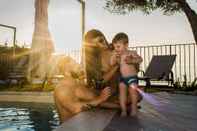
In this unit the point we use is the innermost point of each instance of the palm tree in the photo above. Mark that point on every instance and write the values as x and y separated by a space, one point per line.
42 44
168 7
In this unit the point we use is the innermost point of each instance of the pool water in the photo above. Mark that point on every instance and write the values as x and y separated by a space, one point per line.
28 117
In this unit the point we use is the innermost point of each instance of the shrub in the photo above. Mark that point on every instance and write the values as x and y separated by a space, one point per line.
185 85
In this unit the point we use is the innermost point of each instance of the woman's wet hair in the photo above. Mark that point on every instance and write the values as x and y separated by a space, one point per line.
92 56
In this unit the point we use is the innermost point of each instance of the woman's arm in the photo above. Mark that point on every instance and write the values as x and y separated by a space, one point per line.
108 75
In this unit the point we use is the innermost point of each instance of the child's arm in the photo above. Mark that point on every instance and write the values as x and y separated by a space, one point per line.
134 58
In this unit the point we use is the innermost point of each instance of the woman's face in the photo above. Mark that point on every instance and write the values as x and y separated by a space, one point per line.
95 38
99 42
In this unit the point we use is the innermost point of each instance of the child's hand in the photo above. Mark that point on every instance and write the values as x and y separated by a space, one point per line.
133 58
115 59
129 59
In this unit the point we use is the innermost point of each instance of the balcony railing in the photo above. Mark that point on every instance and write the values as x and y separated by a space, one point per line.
185 64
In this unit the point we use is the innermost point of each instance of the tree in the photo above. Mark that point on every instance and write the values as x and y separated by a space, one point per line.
169 7
42 44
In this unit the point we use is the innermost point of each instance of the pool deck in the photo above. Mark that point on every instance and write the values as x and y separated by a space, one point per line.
160 112
38 97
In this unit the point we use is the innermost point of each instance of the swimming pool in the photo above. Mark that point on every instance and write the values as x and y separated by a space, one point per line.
27 117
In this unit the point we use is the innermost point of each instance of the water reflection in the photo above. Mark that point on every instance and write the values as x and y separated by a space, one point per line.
28 117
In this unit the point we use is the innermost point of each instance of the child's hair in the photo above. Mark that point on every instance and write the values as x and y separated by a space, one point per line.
121 37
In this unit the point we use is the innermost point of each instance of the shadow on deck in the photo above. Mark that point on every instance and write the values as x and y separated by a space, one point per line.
160 112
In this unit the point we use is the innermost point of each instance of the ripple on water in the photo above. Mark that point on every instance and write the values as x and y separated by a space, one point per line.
28 117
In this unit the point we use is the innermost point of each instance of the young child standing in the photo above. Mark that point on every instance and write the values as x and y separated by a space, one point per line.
129 63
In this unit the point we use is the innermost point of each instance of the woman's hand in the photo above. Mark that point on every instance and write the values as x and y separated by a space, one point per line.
105 93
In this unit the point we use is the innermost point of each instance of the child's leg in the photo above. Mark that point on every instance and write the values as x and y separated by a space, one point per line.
133 93
123 98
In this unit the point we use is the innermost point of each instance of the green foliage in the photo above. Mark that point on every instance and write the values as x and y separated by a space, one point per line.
9 50
168 7
7 60
185 85
125 6
48 87
27 87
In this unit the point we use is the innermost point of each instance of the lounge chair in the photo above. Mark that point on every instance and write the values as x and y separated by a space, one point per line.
159 69
18 71
17 75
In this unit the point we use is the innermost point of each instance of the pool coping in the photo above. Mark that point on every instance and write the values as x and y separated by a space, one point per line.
93 120
38 97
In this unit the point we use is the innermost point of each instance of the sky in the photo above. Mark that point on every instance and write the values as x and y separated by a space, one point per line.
64 23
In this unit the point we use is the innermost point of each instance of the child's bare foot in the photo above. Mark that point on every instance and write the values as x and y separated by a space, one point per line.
133 113
123 113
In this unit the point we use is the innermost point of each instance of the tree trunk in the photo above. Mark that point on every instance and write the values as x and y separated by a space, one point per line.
42 44
191 16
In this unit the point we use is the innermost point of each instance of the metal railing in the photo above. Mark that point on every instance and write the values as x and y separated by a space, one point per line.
185 64
75 54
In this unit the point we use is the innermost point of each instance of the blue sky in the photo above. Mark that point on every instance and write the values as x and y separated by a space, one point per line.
64 23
